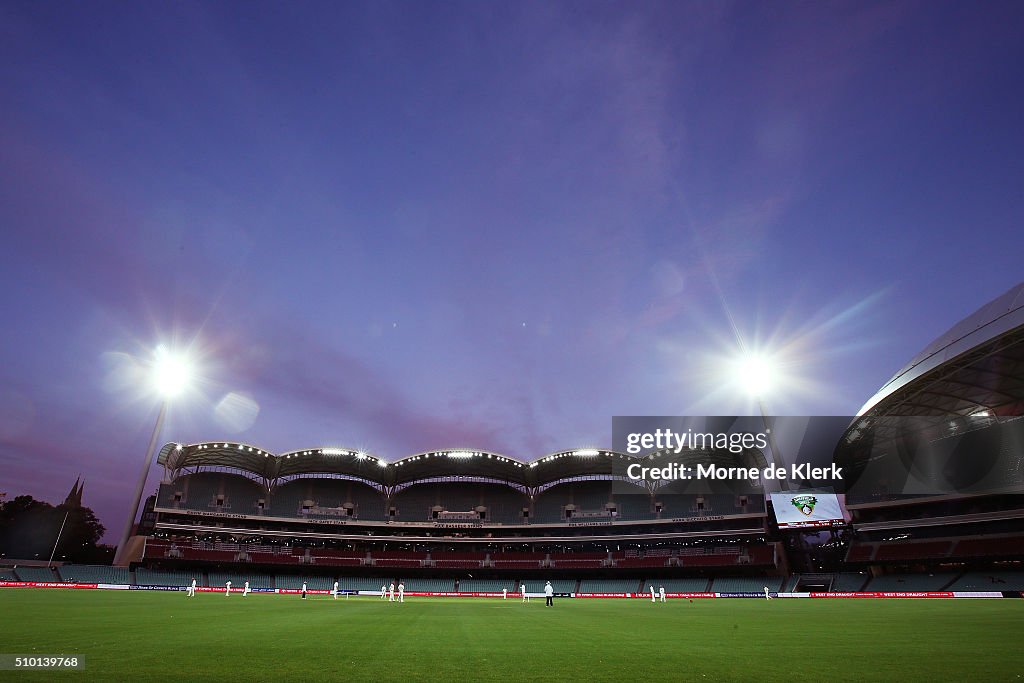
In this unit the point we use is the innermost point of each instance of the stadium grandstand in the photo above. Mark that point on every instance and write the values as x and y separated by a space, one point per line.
935 461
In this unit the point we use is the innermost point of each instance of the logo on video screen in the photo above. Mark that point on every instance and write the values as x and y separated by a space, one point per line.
804 504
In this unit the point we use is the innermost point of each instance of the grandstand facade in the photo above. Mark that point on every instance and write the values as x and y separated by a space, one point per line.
936 457
451 513
936 460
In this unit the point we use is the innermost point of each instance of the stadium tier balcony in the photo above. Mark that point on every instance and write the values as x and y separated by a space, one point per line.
989 547
457 560
273 558
578 560
888 552
398 559
517 560
337 558
860 552
634 562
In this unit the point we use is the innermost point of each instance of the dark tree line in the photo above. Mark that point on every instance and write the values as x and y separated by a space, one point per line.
29 528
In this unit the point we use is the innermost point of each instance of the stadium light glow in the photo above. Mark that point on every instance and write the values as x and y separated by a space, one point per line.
461 454
172 372
587 452
757 373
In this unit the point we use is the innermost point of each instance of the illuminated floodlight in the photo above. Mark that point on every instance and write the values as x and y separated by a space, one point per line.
587 452
757 373
460 454
172 372
382 463
333 451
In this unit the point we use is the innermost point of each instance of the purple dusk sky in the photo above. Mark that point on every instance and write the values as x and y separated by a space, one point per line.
414 225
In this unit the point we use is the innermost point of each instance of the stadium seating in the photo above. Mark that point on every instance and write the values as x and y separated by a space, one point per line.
587 496
239 578
369 502
989 580
753 584
8 575
486 585
910 582
429 585
694 585
634 506
84 573
559 585
359 583
849 582
609 585
36 574
326 495
314 583
415 503
152 577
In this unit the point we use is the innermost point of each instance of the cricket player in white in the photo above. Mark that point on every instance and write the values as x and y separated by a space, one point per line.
522 588
504 594
335 591
303 590
391 593
767 595
245 591
228 591
549 593
661 593
192 589
401 592
652 593
383 592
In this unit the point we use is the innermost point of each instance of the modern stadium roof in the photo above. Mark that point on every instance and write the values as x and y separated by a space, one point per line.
969 378
446 463
976 367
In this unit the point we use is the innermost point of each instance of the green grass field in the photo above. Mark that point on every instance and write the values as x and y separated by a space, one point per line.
136 635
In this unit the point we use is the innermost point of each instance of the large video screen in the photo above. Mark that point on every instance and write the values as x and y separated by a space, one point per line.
802 509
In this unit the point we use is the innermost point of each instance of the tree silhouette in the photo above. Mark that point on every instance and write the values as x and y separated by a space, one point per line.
29 528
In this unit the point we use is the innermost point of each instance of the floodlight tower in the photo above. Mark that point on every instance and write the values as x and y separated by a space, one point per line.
171 374
758 374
